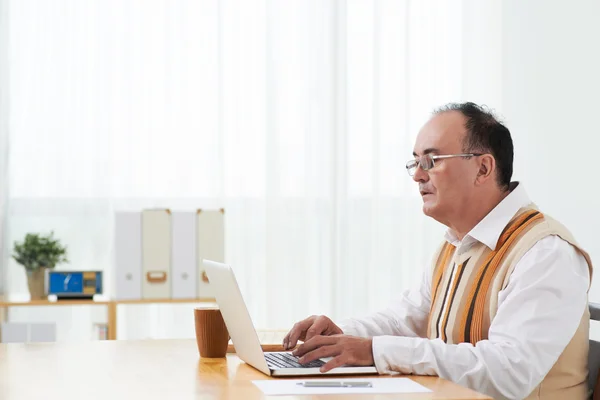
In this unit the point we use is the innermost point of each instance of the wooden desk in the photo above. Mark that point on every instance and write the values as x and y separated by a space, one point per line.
148 370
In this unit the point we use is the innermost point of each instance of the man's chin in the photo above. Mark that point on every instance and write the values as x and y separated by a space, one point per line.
428 209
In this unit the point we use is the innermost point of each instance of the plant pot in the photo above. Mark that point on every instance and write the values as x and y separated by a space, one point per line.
36 283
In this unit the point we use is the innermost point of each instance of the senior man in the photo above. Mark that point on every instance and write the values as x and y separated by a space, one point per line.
503 309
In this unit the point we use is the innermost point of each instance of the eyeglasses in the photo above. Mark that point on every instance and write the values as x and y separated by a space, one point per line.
427 161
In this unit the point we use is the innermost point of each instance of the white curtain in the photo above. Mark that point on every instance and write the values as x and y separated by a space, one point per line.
296 116
4 115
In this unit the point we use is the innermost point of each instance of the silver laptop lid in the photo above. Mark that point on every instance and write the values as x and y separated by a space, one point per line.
236 315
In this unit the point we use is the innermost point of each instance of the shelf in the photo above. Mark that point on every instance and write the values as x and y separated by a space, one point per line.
35 303
166 301
111 306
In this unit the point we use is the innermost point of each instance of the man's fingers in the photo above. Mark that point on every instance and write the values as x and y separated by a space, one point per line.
324 351
314 343
285 341
334 363
297 331
317 328
309 328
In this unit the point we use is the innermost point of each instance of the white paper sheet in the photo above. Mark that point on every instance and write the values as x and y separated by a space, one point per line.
278 387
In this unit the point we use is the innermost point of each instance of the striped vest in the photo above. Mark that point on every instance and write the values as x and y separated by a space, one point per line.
465 291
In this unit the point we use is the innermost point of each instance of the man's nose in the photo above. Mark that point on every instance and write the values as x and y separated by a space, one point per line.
420 175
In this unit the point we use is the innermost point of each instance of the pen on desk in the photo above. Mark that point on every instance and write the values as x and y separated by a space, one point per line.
335 384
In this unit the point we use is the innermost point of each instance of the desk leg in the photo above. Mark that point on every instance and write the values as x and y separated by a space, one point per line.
112 320
3 318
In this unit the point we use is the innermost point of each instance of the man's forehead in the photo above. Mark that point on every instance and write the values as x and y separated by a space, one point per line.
443 132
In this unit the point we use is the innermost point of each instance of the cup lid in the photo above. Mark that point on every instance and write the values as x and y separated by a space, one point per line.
207 307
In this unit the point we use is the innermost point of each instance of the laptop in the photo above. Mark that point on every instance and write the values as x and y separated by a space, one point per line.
244 336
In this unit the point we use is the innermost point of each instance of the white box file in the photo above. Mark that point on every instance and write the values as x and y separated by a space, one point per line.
128 255
184 265
14 332
42 332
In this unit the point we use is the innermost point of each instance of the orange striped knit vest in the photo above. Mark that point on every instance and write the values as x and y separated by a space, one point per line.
465 291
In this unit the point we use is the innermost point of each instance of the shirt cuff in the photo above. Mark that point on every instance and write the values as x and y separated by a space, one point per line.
348 327
394 354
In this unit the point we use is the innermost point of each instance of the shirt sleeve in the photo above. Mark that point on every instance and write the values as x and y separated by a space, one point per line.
538 314
407 316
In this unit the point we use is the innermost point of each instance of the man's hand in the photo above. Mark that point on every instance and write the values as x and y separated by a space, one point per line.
309 328
345 350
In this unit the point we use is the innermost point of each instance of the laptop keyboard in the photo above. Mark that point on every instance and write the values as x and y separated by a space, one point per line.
287 360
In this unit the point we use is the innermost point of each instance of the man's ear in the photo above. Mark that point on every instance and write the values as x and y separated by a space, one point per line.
487 168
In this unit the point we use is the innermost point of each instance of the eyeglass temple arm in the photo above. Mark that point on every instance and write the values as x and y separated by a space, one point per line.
456 155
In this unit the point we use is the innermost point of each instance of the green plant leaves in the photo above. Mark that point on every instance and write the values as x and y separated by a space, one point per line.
39 250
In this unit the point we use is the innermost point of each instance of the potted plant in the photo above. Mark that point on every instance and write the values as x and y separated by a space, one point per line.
37 253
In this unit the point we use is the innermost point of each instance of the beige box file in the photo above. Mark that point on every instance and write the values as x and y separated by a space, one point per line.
156 254
210 225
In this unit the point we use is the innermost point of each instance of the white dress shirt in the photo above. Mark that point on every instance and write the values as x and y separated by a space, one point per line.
538 314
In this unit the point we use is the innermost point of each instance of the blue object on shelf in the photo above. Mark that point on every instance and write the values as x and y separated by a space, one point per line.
75 284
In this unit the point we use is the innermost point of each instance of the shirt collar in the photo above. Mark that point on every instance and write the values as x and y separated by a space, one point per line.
488 230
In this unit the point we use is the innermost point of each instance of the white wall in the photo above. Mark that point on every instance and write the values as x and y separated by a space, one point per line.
551 84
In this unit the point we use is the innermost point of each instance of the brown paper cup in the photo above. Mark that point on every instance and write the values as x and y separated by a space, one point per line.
211 333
